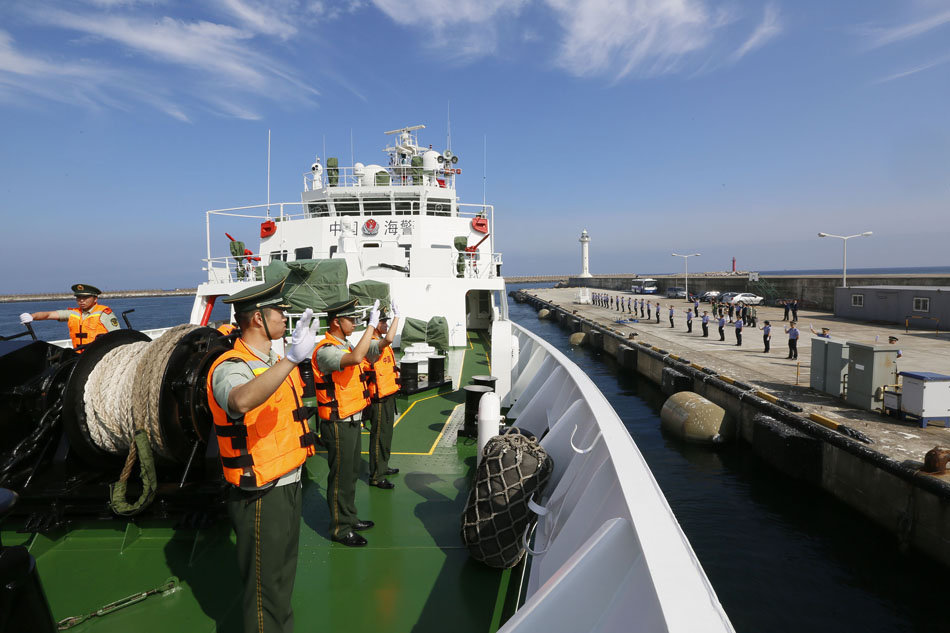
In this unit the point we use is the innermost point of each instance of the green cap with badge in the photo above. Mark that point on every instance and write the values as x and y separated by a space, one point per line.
85 290
345 308
383 315
265 295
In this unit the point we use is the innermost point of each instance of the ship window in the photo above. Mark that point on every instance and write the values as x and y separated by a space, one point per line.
371 245
857 301
438 206
319 209
921 304
403 207
347 206
303 253
278 255
377 206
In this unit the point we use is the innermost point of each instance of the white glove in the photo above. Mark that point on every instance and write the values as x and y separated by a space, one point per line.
393 309
304 338
374 315
25 318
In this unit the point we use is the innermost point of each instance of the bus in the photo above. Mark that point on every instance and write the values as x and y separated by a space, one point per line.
644 287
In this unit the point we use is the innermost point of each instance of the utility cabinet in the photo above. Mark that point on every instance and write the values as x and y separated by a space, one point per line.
926 396
870 368
829 366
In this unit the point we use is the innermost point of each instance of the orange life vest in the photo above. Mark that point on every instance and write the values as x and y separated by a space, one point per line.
84 328
270 440
345 392
383 374
226 328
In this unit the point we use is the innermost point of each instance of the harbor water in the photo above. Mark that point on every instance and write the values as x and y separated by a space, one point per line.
782 556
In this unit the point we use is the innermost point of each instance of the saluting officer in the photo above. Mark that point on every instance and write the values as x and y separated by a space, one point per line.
85 322
342 395
381 414
255 399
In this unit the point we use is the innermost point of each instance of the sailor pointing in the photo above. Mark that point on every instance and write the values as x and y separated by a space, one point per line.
86 321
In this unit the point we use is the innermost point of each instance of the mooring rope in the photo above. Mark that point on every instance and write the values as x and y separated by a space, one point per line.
122 410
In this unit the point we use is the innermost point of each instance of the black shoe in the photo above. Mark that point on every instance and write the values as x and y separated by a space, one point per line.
385 484
363 525
392 471
351 539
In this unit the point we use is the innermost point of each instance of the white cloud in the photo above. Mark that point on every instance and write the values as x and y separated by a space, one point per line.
439 13
878 37
263 17
769 28
912 71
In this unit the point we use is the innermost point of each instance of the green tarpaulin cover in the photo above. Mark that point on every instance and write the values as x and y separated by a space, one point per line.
435 332
367 291
311 283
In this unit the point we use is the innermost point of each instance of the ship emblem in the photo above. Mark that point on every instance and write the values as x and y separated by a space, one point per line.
370 227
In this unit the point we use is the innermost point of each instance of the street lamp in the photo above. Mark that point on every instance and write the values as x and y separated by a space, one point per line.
844 241
686 268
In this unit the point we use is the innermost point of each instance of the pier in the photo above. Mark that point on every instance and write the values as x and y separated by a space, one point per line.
807 435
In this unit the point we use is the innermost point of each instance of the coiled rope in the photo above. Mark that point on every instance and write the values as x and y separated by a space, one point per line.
121 404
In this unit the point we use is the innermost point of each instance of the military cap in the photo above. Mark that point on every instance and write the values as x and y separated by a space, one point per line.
346 308
892 338
266 295
383 315
84 290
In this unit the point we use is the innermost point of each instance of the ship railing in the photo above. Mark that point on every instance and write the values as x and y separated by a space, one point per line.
234 268
607 548
479 265
391 176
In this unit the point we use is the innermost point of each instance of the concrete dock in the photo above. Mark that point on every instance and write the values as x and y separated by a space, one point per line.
787 379
772 408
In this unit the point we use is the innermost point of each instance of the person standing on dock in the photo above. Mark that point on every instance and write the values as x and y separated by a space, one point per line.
794 309
689 321
787 307
825 332
264 439
766 335
892 340
341 398
649 309
705 324
722 327
671 315
793 335
87 321
641 307
739 325
696 306
383 385
732 310
657 311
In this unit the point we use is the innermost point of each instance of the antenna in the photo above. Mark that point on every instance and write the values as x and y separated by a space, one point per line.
484 171
352 160
448 125
268 173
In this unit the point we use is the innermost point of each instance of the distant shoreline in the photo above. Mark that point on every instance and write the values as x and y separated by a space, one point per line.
119 294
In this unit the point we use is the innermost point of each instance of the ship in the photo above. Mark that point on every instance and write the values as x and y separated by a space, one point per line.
99 537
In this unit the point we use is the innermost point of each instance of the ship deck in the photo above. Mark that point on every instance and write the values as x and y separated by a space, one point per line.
415 574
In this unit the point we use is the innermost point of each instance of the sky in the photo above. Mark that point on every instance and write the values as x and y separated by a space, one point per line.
727 128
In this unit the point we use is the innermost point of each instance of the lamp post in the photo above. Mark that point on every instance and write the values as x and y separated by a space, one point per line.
686 270
844 241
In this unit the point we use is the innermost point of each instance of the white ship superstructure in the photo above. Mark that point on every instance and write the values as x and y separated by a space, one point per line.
399 223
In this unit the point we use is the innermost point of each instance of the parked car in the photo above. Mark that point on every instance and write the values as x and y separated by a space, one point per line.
746 298
726 296
675 292
709 295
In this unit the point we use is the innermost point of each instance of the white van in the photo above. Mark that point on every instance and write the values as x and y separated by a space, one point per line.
644 287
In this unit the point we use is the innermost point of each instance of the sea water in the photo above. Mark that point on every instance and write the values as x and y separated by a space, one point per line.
782 556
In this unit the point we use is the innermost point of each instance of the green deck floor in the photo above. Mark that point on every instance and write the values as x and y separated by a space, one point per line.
414 575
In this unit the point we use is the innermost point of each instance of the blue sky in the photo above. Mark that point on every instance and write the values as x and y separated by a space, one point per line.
727 128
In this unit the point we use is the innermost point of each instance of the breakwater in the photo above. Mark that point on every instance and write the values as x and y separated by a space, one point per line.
813 291
105 296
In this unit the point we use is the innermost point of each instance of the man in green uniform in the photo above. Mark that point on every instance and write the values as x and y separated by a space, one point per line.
381 413
336 363
264 509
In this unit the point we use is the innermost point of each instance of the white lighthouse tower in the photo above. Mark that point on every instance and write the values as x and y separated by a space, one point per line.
585 257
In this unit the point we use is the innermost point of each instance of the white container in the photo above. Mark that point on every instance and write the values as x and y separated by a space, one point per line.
926 395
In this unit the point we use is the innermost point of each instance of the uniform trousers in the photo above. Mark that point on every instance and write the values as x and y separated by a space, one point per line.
381 416
342 440
767 340
705 329
689 325
268 533
738 337
793 348
722 333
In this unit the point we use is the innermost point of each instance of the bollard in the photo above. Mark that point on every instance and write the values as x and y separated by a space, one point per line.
473 395
489 420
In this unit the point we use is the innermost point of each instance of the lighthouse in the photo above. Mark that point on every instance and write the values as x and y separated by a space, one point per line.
585 259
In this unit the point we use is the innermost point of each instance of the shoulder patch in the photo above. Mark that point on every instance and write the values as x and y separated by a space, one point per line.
108 310
115 322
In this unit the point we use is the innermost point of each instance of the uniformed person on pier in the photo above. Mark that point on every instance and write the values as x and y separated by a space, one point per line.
256 401
381 414
342 396
86 321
